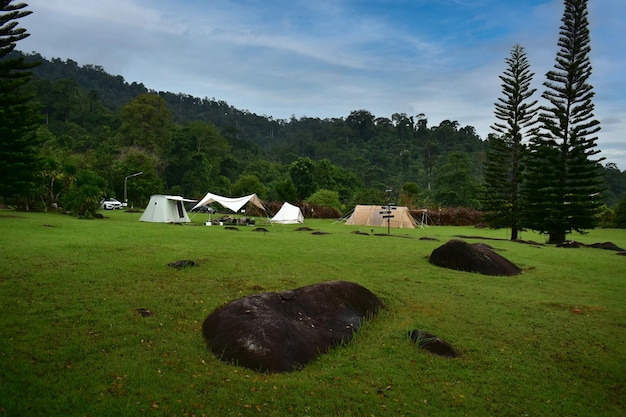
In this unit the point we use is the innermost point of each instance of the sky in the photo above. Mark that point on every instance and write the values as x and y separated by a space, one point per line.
327 58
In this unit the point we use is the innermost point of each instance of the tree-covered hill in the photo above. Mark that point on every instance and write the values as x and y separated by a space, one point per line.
98 127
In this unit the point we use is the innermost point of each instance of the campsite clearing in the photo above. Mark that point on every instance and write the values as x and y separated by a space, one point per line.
74 341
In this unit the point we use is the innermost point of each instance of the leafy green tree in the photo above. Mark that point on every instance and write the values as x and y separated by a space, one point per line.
620 214
503 167
207 139
83 197
302 173
325 198
19 157
615 184
455 185
368 196
140 188
282 190
146 124
563 183
248 184
198 178
362 124
408 194
195 161
267 171
325 174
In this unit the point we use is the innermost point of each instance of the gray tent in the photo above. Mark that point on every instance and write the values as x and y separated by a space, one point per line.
166 209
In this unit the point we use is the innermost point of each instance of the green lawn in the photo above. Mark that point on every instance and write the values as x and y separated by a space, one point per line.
550 342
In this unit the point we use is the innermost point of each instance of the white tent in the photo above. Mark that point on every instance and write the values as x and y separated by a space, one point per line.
288 214
373 216
166 209
233 204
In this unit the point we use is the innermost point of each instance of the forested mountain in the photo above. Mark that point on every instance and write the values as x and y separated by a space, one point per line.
98 129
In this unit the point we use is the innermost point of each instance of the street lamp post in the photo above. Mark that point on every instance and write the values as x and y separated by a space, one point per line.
125 185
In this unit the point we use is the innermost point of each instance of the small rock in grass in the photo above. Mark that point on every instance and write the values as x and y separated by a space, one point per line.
432 343
182 264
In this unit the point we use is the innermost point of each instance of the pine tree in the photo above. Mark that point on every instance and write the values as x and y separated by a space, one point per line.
19 159
563 183
503 167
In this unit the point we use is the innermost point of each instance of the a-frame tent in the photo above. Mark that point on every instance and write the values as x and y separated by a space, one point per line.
166 209
373 216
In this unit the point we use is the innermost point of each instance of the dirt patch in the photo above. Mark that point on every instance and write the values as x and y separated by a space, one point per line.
386 234
358 232
144 312
607 246
185 263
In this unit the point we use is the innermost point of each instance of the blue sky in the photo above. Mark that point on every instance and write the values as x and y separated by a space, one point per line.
326 58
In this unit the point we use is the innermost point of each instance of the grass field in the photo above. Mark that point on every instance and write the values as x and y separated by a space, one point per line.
549 342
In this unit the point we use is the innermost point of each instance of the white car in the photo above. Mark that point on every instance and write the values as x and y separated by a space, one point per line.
111 204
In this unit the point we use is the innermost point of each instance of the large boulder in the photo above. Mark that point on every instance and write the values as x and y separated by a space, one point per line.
281 332
478 257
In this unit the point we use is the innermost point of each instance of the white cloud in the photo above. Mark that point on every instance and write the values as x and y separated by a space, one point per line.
327 58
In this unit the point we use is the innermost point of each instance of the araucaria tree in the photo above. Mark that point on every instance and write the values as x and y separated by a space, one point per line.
563 182
503 166
19 161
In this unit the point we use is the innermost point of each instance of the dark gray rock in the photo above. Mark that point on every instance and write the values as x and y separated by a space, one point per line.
432 343
183 263
478 257
607 246
281 332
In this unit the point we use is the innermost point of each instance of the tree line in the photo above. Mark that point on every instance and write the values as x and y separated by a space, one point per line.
84 131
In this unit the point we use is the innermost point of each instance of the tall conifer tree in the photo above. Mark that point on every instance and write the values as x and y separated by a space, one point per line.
563 182
19 161
503 168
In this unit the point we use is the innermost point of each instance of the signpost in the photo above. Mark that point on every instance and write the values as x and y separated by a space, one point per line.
387 210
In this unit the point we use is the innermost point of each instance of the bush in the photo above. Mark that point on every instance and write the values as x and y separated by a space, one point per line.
325 198
620 214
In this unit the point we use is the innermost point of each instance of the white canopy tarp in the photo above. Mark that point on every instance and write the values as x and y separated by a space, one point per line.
234 204
288 214
166 209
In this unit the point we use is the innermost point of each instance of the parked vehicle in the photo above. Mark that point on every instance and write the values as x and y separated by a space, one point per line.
111 204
